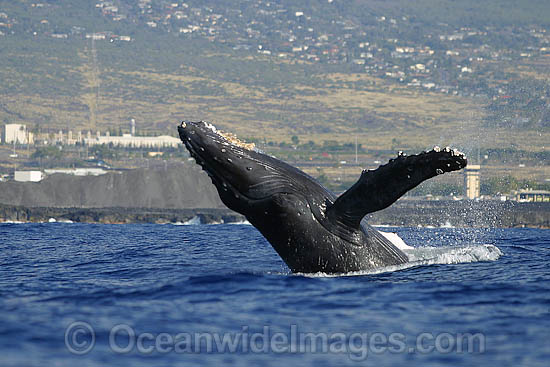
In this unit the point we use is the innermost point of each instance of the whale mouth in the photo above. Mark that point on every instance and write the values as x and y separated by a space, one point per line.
204 143
237 169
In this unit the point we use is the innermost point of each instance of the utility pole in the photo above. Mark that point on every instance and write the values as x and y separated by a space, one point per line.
355 148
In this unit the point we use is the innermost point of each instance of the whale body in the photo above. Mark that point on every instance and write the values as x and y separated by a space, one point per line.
311 228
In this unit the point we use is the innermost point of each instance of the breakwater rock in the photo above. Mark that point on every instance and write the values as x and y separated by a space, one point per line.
466 213
410 213
118 215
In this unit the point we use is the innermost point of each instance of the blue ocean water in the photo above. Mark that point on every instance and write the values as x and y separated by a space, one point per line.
216 295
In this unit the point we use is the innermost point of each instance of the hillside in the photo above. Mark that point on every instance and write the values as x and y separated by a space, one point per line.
322 70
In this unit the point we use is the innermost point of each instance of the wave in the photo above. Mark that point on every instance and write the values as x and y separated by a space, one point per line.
193 221
422 256
447 224
241 223
53 220
214 222
197 221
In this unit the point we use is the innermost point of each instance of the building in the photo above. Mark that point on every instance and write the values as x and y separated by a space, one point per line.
533 196
17 133
28 176
128 140
77 171
471 181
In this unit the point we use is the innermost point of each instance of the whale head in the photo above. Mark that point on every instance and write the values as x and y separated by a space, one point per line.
242 175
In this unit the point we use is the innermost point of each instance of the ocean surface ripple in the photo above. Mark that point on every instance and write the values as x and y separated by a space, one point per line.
168 282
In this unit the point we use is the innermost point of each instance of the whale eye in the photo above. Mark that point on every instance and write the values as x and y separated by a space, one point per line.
249 168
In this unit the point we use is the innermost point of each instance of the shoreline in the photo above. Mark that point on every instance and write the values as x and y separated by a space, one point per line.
408 213
9 213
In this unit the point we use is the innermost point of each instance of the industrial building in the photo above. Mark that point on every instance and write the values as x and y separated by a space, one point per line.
28 176
17 133
533 196
128 140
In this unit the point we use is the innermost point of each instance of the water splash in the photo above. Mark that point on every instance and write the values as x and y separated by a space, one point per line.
424 256
193 221
242 223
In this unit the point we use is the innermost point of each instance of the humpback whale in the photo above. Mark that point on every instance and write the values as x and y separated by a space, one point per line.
311 228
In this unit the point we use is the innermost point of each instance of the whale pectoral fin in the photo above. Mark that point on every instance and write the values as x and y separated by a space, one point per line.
378 189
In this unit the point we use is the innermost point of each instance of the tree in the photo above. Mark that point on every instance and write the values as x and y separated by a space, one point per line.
51 152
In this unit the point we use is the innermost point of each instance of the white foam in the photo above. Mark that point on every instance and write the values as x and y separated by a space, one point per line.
423 256
53 220
193 221
454 254
241 223
213 223
447 224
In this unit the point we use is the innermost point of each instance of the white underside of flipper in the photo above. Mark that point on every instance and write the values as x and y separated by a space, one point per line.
396 240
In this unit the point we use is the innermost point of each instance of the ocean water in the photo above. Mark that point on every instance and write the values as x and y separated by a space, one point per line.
218 295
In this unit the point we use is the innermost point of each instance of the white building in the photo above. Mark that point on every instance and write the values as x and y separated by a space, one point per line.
471 181
77 171
128 140
17 133
28 176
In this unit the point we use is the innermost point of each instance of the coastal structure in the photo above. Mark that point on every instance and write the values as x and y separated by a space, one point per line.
128 140
17 133
528 195
28 176
77 171
471 181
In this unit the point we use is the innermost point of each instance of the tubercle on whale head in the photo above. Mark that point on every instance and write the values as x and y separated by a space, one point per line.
230 163
209 129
